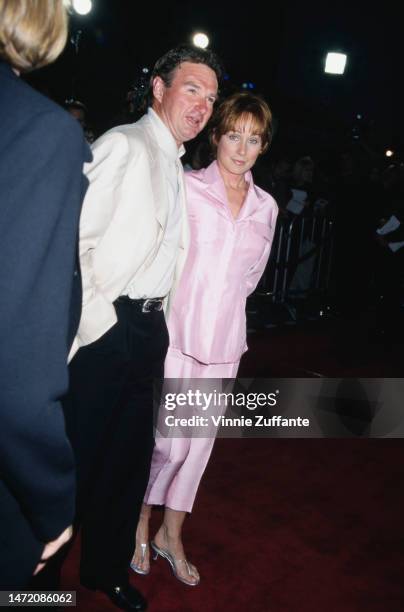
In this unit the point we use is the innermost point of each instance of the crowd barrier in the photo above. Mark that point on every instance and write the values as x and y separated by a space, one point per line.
301 259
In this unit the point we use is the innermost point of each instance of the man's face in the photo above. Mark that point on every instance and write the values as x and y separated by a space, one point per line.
187 104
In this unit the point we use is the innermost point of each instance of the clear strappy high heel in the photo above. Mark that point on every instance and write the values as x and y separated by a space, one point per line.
137 568
174 562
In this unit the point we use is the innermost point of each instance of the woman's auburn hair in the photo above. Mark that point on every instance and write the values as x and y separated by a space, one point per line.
32 32
237 108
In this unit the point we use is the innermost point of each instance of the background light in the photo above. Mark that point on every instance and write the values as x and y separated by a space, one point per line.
200 40
82 7
335 63
389 153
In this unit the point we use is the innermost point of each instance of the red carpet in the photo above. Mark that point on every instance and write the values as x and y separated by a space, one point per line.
332 348
289 525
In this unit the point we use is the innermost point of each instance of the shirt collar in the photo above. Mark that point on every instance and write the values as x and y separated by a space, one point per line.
164 137
212 175
214 184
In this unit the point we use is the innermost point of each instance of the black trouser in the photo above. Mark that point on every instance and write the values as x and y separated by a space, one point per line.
109 417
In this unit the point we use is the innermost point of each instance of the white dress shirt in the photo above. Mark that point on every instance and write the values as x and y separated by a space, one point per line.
157 278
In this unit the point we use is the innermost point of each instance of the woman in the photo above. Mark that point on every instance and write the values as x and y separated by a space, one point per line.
42 152
232 226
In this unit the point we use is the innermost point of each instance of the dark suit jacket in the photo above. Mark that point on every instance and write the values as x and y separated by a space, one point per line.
42 151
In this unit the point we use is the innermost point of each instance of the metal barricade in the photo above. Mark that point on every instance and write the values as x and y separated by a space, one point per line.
301 244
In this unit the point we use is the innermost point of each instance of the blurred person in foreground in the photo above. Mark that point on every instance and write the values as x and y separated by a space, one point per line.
42 151
232 225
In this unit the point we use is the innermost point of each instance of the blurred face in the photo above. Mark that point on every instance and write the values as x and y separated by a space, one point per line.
282 169
187 104
238 149
307 175
78 114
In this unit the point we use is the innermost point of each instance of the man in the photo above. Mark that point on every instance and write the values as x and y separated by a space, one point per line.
42 152
133 243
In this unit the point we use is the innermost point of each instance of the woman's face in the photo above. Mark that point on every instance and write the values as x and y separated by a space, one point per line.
238 149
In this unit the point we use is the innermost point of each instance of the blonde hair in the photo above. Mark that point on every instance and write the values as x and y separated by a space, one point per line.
237 108
32 32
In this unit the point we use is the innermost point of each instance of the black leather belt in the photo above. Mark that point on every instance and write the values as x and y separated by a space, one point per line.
147 305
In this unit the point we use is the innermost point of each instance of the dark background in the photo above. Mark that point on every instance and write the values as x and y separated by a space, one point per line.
280 47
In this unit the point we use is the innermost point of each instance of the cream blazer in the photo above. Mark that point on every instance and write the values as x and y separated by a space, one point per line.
122 223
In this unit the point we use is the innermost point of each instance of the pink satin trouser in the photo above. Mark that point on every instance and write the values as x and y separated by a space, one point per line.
179 463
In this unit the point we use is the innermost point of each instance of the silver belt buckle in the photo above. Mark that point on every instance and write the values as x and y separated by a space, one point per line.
149 303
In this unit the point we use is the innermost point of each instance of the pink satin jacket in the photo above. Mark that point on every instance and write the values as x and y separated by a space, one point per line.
225 262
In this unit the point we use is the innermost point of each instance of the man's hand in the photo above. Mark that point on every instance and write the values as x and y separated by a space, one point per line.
52 547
